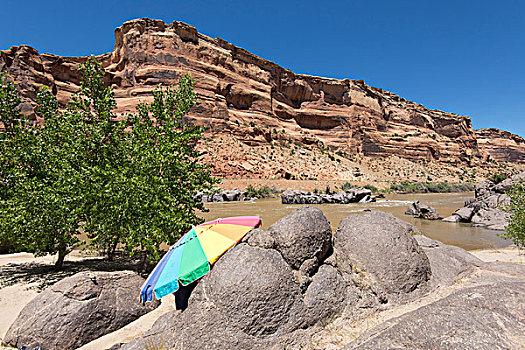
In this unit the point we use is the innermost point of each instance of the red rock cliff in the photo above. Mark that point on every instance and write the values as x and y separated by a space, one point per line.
254 99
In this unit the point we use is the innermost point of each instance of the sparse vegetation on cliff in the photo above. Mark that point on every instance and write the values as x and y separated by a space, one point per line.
497 178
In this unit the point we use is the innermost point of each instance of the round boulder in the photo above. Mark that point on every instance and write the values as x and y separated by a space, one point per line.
378 250
255 290
303 234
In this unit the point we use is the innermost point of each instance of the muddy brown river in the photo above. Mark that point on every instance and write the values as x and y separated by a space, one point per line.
461 235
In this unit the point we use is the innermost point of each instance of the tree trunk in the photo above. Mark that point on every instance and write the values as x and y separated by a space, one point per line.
60 261
111 250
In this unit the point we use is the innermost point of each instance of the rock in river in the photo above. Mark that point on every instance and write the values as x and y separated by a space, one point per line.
353 195
485 209
420 210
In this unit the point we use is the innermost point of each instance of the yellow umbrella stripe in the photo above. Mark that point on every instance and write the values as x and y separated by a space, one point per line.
213 244
233 232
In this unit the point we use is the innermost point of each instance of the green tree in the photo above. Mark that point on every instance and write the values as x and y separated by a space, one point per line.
125 181
143 187
41 198
515 230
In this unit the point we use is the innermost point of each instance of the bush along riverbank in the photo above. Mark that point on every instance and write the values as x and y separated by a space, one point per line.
431 187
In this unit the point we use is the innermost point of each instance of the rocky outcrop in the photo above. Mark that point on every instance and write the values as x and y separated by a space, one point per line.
501 145
354 195
222 196
485 210
422 211
77 310
252 99
481 317
448 263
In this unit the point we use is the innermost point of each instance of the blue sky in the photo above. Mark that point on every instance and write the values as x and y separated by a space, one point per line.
465 57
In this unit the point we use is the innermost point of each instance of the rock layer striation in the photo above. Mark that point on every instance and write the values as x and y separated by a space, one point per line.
255 100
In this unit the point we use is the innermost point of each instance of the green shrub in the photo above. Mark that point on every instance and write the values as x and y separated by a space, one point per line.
431 187
347 185
515 230
371 188
261 192
497 178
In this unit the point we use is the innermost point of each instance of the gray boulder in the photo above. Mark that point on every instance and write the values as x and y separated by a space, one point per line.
481 317
303 234
325 295
259 238
260 298
353 195
248 300
422 211
221 196
77 310
378 251
465 214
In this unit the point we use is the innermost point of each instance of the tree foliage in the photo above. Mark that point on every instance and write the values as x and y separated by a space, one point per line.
125 181
41 198
515 230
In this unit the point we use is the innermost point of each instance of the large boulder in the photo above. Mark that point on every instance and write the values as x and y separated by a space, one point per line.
303 234
481 317
77 310
248 300
378 251
255 290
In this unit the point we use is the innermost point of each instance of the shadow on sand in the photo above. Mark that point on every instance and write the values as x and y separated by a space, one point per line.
44 275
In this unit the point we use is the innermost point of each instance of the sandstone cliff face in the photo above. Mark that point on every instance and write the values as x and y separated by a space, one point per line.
255 100
501 145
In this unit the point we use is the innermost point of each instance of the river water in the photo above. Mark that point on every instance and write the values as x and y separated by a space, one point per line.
462 235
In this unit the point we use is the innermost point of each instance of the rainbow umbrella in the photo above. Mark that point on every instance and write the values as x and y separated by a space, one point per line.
190 258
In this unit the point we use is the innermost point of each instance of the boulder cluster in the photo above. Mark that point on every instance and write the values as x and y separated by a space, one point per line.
223 196
277 285
289 286
353 195
485 210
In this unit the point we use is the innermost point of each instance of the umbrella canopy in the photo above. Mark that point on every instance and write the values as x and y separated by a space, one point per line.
189 259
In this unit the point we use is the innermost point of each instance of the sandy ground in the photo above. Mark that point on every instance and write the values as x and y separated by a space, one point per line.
509 254
14 297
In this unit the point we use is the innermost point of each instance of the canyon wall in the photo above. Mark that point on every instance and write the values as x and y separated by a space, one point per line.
501 145
257 101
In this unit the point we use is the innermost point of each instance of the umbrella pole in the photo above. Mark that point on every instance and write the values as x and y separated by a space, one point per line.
182 295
